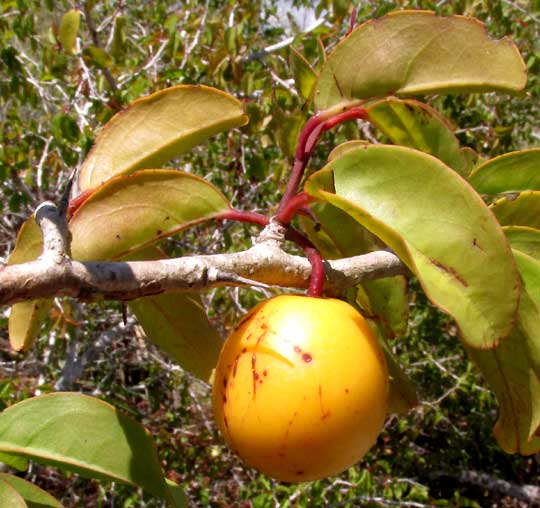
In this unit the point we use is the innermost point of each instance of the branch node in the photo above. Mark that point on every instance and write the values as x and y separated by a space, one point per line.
55 232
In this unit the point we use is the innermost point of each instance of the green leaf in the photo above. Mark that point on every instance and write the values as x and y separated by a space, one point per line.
157 128
524 239
32 494
118 44
26 318
513 368
402 396
522 209
178 324
511 172
416 53
178 494
69 28
437 225
9 497
388 302
97 57
85 435
18 463
305 77
417 125
340 150
129 212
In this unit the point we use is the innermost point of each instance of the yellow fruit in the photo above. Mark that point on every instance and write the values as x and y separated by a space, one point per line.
300 388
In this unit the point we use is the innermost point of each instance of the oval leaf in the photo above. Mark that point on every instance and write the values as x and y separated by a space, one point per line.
417 125
415 53
26 318
85 435
519 210
514 171
437 225
157 128
32 494
128 212
69 28
9 497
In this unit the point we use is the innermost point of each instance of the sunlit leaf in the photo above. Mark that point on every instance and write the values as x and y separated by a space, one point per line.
9 497
521 209
514 171
14 461
86 435
26 318
417 125
340 150
437 225
305 77
513 368
69 28
416 53
32 494
524 239
130 211
157 128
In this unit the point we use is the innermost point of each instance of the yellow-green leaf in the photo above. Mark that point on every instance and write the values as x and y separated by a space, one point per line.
513 368
417 125
437 225
131 211
521 209
26 318
417 53
511 172
305 77
32 494
524 239
69 28
9 497
178 324
154 129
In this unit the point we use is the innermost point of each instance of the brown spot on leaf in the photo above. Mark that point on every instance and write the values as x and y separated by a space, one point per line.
307 357
450 271
297 349
338 86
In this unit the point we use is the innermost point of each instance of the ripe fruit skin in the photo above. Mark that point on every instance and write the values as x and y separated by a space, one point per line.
301 387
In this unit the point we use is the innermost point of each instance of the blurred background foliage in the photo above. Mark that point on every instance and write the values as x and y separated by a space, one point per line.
62 78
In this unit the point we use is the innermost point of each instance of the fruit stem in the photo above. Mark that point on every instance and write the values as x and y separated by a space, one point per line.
316 280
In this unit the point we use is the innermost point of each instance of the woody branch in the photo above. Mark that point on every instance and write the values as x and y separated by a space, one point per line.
265 264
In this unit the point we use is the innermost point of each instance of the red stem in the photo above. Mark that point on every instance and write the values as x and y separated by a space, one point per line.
293 206
309 137
239 215
316 280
